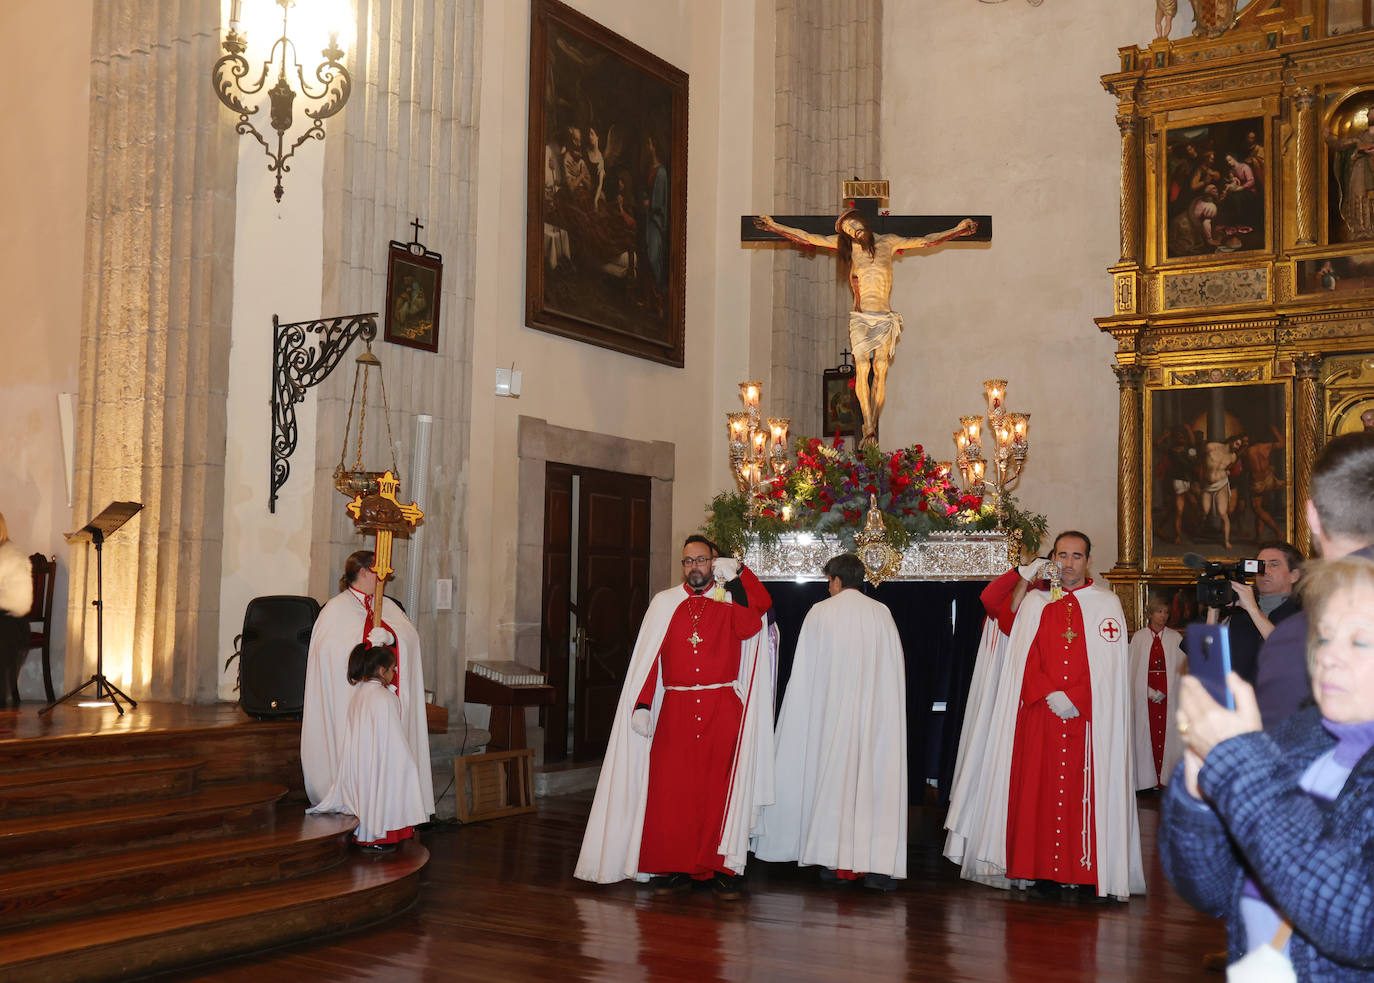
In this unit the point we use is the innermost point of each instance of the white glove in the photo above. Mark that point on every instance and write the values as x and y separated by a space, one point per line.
725 568
379 636
1032 571
1061 706
1155 695
642 722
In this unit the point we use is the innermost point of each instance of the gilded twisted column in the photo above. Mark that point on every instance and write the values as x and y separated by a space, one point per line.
1129 506
1307 441
1306 168
1130 188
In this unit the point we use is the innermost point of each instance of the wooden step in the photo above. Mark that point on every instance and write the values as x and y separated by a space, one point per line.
220 811
35 791
299 845
190 931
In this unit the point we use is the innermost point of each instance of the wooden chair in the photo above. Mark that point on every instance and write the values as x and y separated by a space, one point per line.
44 576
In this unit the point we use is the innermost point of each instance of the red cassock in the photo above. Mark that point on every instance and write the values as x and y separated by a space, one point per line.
697 730
1050 832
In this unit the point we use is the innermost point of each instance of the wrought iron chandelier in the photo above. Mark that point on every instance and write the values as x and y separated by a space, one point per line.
321 101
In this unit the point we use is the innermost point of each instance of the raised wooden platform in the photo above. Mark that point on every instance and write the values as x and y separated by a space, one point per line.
167 837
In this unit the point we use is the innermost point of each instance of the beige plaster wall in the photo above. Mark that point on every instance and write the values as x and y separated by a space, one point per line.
997 109
42 198
581 387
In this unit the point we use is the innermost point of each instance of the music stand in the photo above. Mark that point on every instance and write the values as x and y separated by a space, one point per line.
95 532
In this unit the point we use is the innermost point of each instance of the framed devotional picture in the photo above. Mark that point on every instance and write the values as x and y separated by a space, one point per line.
1218 462
1215 200
414 279
606 234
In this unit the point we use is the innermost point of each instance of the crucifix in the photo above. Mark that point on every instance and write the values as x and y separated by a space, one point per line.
867 243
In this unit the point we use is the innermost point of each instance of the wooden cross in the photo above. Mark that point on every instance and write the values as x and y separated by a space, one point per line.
418 227
866 196
383 516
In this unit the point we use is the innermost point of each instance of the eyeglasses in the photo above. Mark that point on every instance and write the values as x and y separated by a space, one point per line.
696 561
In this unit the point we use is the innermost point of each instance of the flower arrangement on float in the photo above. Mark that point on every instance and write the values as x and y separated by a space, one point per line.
828 489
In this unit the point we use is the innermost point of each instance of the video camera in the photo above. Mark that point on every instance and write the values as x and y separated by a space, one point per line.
1214 588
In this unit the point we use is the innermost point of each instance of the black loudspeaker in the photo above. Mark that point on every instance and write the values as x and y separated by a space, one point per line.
272 654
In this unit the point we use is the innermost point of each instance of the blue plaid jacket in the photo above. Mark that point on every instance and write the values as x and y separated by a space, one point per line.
1314 860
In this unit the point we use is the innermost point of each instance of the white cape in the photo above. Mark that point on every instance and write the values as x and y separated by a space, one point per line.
1140 704
610 846
840 766
969 801
378 780
327 693
1120 871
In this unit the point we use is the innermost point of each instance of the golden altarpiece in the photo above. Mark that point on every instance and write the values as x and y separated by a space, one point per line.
1244 298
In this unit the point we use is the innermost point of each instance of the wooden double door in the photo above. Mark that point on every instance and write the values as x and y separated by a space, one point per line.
595 592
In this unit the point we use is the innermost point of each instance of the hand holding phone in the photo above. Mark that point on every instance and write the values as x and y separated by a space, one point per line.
1209 659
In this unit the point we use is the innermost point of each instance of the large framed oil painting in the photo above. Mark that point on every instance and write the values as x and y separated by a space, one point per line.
1215 201
1220 460
606 235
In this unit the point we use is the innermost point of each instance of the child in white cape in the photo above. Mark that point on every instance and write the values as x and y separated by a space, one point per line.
378 780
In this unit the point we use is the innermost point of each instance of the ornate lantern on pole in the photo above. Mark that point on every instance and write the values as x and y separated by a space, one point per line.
1011 440
758 453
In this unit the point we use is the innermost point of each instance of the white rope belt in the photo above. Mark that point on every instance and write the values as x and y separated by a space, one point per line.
687 689
1087 858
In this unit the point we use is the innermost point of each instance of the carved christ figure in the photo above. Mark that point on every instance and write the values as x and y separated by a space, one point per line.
873 325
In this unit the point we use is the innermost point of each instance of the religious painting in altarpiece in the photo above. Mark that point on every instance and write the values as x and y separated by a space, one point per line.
1243 301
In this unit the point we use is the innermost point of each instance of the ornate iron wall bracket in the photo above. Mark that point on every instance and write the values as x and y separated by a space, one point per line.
300 361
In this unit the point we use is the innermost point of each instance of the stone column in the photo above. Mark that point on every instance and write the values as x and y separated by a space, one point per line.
1308 438
1129 467
1306 169
405 146
154 360
1130 187
828 74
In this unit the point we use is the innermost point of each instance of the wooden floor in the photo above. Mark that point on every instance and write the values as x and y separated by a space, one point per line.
498 902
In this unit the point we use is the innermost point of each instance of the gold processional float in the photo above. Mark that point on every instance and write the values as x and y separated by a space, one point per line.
759 459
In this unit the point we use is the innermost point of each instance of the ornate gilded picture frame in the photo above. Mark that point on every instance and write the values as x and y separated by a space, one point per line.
606 234
1218 459
1215 188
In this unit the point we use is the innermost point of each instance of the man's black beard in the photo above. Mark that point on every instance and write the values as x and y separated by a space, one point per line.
698 580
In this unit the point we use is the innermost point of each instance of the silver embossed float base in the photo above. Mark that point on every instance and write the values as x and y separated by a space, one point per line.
944 556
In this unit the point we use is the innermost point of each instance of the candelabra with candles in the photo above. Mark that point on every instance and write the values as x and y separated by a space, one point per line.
1011 440
758 453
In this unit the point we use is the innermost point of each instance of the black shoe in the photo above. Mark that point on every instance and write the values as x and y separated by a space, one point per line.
665 884
879 882
1047 890
377 849
727 887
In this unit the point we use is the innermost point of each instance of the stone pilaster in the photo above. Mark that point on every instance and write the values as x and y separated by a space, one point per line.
151 425
405 146
828 73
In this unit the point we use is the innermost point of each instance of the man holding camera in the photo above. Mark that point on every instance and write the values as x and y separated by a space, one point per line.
1255 611
1340 513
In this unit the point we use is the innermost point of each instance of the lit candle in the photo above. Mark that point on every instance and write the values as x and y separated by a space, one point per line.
997 394
973 427
750 392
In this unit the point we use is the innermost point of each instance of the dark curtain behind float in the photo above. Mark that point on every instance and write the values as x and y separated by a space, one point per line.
940 623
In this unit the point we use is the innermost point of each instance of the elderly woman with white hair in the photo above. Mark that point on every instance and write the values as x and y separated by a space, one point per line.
1274 831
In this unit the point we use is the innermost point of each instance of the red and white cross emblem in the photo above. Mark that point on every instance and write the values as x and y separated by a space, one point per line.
1109 629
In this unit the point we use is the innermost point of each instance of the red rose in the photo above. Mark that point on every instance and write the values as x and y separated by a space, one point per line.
825 507
769 513
906 511
951 510
871 489
923 505
918 449
850 514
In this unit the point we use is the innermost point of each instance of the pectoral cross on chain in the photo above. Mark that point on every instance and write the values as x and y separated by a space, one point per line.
1070 635
694 639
